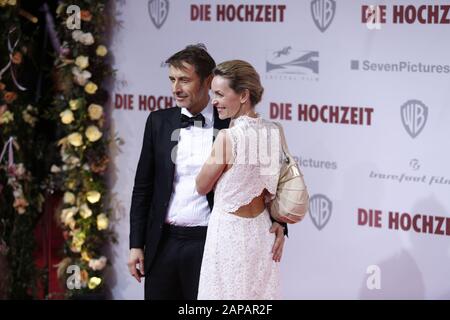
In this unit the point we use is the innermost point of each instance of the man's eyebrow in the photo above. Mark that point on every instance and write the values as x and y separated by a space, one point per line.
180 78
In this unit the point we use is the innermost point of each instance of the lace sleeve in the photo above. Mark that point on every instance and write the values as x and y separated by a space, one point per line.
233 139
253 169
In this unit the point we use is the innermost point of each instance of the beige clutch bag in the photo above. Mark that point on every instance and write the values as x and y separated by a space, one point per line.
292 200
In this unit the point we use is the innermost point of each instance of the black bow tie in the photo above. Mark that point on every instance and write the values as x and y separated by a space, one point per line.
190 121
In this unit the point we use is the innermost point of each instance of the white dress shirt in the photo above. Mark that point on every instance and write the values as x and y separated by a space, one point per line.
187 208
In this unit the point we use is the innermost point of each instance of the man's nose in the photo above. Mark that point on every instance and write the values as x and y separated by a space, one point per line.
176 87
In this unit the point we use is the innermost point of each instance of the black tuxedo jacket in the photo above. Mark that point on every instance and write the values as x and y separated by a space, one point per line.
153 184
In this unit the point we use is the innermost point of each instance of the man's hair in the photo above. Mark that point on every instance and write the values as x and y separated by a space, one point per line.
195 55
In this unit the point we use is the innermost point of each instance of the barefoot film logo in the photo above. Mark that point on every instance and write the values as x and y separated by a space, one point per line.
158 11
415 175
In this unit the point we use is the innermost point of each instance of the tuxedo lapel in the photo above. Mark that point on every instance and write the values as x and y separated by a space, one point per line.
171 129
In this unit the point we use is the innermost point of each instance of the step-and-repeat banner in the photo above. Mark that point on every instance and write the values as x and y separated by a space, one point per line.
362 89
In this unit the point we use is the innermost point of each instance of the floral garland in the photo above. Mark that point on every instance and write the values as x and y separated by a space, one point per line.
80 72
21 197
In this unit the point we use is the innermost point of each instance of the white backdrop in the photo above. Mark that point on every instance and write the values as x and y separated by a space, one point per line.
373 134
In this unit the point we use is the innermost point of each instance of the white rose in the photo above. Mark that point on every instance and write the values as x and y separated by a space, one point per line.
93 134
69 198
98 264
101 51
95 111
81 77
75 139
85 212
72 223
67 116
82 62
93 196
72 161
102 221
87 39
94 282
28 118
55 169
76 35
74 103
91 87
67 215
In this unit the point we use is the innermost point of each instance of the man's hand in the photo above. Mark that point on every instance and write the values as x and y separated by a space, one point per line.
277 248
136 258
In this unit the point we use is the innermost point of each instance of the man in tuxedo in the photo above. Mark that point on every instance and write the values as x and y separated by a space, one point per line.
168 218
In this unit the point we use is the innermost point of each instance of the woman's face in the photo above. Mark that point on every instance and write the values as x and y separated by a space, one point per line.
225 99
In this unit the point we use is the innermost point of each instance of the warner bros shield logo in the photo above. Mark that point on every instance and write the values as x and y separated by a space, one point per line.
320 209
322 12
414 115
158 11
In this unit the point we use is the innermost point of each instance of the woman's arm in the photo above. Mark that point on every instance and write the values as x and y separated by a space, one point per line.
215 164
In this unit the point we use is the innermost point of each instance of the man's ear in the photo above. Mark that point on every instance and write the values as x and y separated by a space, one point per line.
245 96
208 81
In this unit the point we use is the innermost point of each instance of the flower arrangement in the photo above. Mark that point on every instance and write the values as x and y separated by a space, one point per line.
80 72
29 169
22 150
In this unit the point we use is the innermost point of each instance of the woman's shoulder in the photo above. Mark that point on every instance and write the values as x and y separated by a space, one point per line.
270 124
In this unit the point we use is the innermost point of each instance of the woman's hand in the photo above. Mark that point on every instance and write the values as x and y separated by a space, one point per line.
277 249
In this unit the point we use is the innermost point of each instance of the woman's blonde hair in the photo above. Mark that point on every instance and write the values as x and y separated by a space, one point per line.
241 75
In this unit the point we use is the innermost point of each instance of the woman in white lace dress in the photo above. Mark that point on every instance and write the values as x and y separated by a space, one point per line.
244 169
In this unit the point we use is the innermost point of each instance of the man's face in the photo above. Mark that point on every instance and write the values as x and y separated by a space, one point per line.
188 89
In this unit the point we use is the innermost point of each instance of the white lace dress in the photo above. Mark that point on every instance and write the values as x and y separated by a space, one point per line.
237 261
